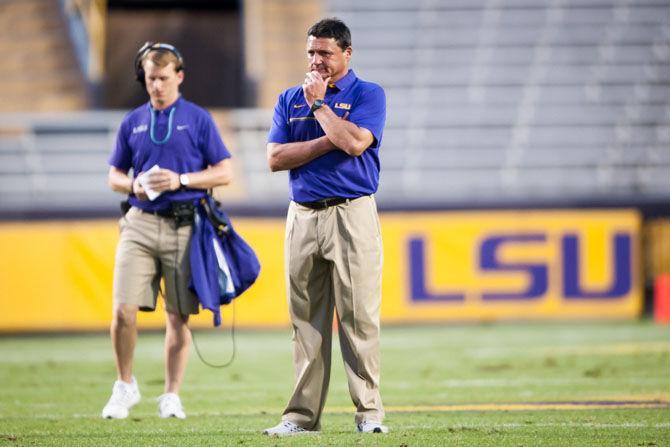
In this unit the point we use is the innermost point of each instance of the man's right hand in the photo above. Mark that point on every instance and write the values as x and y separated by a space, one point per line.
138 190
314 87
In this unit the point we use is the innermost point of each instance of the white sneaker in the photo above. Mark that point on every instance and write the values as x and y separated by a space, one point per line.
169 405
124 396
371 427
288 428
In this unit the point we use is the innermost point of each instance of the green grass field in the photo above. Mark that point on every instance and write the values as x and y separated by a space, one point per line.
463 385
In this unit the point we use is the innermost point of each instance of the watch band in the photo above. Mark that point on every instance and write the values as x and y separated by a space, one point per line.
318 103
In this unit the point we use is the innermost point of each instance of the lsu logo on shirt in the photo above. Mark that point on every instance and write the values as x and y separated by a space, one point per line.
342 105
141 128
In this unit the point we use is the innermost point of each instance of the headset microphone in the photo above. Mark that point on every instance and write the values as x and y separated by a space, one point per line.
155 46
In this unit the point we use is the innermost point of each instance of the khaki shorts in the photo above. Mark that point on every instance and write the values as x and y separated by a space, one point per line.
150 248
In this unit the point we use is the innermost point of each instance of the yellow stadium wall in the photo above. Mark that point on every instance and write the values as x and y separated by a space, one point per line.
58 275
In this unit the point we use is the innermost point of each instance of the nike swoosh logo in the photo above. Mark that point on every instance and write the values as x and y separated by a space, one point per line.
297 106
182 127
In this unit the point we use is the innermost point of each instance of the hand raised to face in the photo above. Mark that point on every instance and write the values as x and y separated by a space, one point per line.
314 87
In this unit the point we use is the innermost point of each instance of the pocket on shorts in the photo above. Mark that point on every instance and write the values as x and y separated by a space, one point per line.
126 218
122 224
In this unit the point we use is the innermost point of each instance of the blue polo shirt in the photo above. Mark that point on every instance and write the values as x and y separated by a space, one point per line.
334 174
191 145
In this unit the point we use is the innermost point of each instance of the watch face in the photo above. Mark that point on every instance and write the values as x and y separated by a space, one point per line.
317 104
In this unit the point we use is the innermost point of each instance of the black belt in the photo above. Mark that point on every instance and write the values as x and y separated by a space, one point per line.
162 213
324 203
182 212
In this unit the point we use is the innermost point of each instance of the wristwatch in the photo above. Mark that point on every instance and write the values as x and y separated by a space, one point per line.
318 103
183 180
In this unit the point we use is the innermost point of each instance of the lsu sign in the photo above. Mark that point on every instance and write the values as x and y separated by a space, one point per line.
441 266
490 265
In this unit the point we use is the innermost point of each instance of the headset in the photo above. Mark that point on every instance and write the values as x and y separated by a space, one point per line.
155 46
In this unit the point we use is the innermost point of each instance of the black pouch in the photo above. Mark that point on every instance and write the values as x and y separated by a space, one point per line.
212 209
125 207
183 213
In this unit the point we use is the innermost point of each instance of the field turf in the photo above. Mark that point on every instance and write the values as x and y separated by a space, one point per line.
521 384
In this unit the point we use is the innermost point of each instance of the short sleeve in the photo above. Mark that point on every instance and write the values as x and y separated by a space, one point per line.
211 143
279 133
369 112
122 156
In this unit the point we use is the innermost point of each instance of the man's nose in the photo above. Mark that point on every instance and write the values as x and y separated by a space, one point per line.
315 59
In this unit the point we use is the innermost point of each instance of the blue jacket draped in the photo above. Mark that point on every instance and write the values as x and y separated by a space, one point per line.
223 265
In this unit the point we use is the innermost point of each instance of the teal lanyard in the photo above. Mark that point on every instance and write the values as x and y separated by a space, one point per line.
153 122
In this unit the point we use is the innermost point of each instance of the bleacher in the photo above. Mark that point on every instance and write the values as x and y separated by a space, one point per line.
518 100
40 70
489 103
56 163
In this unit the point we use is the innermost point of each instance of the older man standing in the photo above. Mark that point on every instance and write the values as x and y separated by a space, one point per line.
327 133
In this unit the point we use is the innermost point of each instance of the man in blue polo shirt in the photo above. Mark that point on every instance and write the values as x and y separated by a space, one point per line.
327 133
176 155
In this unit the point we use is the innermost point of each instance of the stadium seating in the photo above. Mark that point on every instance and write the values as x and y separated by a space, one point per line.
40 71
511 102
518 99
508 102
56 162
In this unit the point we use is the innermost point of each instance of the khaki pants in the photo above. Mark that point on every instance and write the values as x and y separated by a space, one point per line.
151 247
334 261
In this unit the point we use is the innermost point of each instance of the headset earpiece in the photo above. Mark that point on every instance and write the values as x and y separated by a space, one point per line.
151 46
139 56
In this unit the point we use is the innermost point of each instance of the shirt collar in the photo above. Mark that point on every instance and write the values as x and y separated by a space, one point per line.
346 80
167 110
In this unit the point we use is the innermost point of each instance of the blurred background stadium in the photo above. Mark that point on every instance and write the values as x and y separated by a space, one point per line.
525 162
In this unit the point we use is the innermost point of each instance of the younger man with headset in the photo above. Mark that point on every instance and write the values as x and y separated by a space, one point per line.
176 154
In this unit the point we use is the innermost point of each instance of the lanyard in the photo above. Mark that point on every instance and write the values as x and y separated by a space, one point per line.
153 122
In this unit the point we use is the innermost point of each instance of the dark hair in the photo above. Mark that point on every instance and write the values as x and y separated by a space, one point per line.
334 28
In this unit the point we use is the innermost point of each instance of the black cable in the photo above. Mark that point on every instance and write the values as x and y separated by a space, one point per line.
232 356
185 319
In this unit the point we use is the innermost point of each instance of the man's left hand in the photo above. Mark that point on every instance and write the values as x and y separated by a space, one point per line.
164 180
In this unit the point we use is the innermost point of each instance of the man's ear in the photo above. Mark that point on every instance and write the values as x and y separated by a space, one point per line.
180 76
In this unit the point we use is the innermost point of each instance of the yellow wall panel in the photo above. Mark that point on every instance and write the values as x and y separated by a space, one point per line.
438 266
58 275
